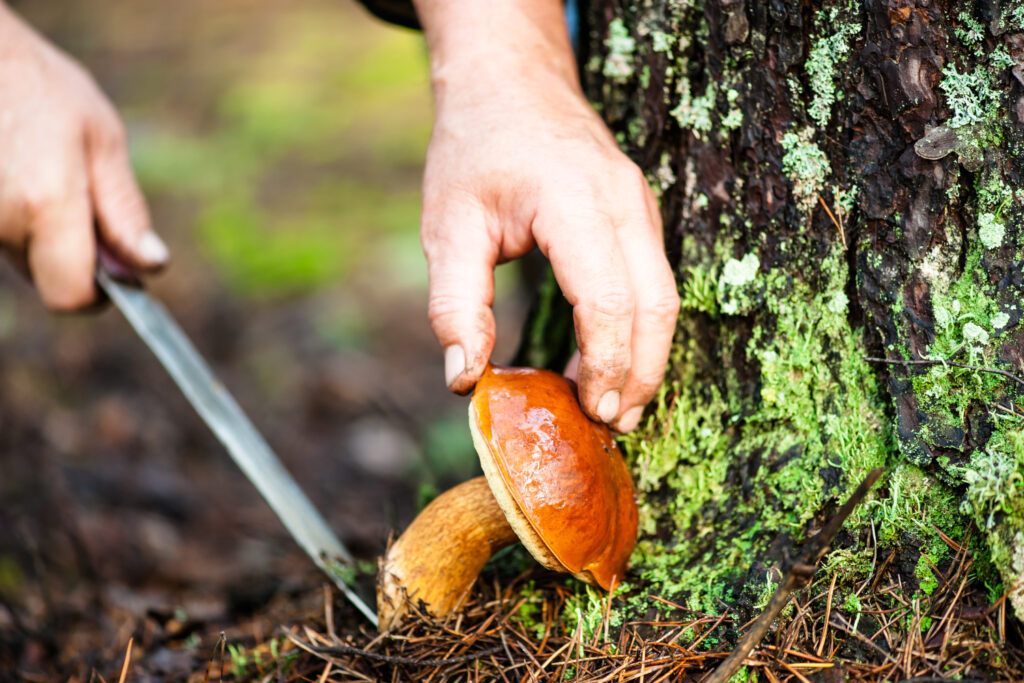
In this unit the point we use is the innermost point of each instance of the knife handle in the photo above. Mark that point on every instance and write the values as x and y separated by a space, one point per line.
109 264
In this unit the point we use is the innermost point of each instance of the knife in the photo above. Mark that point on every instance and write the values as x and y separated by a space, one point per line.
225 418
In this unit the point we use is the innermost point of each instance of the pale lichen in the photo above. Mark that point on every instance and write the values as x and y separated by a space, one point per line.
734 119
975 334
619 64
990 231
733 296
740 272
968 29
995 498
827 54
838 303
694 113
969 95
806 166
661 41
663 177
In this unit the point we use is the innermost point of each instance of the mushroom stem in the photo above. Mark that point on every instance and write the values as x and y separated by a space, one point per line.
439 556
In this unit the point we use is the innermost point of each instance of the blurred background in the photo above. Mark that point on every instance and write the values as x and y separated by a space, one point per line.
280 145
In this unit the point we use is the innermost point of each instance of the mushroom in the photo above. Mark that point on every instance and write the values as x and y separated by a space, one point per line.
553 479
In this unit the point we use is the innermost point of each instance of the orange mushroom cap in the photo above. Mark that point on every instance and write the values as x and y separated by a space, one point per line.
557 475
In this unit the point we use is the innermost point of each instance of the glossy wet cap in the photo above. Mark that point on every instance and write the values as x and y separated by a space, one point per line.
557 475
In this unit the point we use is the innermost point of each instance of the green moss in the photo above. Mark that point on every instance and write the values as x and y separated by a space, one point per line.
810 416
925 577
972 320
645 76
744 675
995 498
966 314
10 575
919 505
791 409
699 290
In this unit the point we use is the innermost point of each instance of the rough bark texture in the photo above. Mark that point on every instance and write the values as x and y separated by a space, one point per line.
839 180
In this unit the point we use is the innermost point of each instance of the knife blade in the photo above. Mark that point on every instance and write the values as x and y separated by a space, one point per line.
225 418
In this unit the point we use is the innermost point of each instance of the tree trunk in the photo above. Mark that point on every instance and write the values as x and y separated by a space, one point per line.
839 181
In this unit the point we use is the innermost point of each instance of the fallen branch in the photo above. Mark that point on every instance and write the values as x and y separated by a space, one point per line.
799 574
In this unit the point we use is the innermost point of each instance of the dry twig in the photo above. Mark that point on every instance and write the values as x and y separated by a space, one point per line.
798 576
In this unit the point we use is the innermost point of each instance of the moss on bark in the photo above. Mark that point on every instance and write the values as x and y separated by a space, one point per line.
838 180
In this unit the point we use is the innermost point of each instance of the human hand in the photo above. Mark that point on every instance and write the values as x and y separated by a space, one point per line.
63 169
518 158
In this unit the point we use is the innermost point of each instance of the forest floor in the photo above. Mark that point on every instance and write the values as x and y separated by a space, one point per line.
121 518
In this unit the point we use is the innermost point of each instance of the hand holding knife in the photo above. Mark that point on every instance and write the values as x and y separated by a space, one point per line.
228 422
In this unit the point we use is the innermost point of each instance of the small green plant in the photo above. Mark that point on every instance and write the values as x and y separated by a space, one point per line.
699 290
925 576
239 660
530 612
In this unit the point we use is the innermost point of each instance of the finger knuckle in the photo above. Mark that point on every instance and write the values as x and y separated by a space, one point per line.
632 176
112 135
70 298
646 384
37 201
443 306
607 305
603 371
128 204
662 305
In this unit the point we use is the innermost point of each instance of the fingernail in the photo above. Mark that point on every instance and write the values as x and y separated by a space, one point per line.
608 406
454 363
630 419
572 368
152 249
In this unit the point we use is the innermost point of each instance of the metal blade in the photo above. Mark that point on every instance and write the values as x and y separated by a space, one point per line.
223 415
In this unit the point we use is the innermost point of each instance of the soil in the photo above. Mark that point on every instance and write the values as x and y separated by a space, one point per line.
120 514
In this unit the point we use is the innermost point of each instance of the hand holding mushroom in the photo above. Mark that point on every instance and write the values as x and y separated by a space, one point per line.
519 159
553 479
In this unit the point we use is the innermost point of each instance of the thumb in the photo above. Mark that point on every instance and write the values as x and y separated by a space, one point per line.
120 208
460 259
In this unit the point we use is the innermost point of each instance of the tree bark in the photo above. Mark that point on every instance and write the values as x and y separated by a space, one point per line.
839 181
